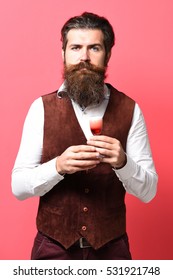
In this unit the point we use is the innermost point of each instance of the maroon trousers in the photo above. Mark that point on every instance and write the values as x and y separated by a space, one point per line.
45 248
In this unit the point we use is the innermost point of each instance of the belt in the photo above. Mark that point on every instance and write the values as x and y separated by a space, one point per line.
83 243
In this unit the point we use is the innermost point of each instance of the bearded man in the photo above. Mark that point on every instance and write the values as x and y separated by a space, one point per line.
82 178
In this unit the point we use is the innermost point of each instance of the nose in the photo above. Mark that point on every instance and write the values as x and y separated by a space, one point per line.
84 55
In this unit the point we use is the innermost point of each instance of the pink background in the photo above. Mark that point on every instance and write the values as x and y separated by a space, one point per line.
141 66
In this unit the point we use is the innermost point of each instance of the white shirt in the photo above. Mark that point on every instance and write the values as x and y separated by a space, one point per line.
30 178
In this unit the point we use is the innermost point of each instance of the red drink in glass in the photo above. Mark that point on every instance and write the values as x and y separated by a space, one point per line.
96 124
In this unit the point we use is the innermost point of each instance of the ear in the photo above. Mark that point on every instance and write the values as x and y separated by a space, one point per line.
107 58
63 55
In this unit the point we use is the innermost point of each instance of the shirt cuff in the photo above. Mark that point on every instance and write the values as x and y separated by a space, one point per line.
52 170
127 171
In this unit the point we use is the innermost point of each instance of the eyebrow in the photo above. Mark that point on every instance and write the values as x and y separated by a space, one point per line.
90 45
96 45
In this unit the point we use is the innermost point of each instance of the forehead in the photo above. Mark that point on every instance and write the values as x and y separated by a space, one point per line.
85 36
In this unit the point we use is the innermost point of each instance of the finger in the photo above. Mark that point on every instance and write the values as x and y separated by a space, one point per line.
82 148
100 144
75 166
84 163
102 138
104 152
85 155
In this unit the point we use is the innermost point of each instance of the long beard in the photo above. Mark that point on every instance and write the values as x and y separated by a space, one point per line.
85 83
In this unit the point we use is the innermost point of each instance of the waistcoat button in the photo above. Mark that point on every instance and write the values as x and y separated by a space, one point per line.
84 228
85 209
87 190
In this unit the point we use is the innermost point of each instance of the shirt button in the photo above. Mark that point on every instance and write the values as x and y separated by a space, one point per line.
87 190
84 228
85 209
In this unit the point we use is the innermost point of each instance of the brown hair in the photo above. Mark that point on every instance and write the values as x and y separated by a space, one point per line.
89 21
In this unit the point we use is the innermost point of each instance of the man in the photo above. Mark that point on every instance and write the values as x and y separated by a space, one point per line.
81 178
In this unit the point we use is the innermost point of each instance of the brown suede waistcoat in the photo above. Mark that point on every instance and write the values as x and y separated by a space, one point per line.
89 204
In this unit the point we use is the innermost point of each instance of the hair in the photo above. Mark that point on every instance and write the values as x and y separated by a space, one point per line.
89 21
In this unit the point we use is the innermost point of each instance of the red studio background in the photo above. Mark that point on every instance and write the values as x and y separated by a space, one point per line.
141 66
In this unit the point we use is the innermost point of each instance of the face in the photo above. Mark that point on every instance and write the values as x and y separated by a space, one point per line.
85 66
85 45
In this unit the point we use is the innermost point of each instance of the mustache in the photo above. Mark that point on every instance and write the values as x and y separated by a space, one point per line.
85 65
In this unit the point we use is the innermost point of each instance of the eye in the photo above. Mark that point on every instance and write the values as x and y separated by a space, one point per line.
96 48
75 48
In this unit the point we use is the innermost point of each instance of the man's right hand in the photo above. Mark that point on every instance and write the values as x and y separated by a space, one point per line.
77 158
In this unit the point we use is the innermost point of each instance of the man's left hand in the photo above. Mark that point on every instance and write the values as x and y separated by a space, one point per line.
110 150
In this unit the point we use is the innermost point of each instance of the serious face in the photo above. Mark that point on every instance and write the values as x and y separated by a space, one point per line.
84 45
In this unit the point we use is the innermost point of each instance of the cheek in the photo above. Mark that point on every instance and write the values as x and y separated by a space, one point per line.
71 58
100 61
